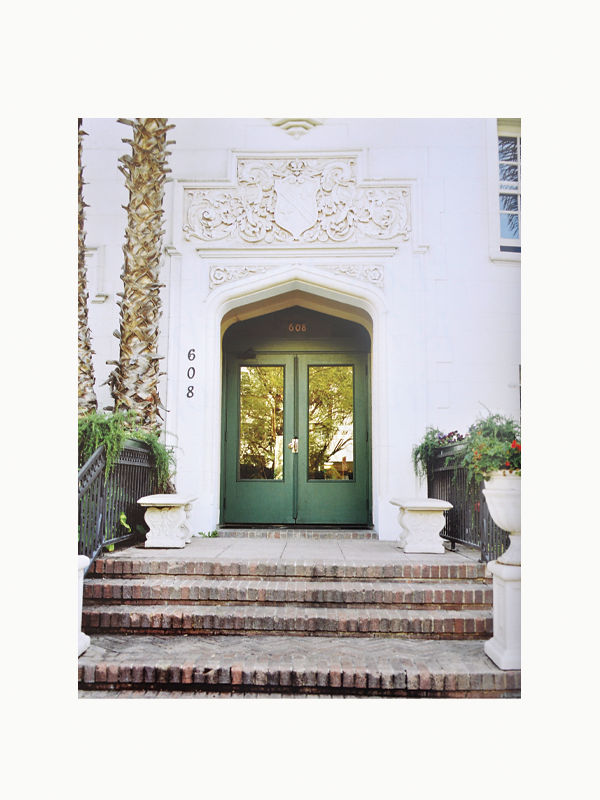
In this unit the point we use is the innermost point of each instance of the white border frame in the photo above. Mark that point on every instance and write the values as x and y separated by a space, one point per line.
496 255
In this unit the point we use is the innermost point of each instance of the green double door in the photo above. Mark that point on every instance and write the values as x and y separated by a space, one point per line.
296 430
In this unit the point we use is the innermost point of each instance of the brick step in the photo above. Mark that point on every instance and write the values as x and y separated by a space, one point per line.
131 567
385 594
288 666
306 621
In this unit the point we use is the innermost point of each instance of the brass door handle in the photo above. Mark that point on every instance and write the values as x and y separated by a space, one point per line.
293 445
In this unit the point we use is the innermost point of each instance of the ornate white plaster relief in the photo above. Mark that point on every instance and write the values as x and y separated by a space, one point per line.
372 273
220 275
303 199
296 127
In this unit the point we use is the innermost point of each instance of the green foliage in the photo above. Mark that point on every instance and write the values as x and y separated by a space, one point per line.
261 422
123 521
492 444
164 460
210 535
423 453
330 416
139 529
111 430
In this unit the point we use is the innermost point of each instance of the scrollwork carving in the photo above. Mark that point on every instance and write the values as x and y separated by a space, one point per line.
221 275
370 273
305 200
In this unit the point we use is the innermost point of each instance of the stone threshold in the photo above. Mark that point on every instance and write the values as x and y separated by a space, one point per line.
277 532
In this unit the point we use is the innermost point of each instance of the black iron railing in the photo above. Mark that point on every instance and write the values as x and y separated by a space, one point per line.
103 499
468 521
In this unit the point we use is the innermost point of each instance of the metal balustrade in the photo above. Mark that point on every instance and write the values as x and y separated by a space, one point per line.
103 498
468 521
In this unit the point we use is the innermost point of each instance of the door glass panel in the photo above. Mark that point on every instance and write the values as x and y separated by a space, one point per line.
261 423
331 423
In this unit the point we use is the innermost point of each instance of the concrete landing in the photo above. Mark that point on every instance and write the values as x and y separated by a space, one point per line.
308 551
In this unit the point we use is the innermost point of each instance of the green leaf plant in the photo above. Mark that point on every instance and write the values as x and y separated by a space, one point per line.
111 430
432 441
492 444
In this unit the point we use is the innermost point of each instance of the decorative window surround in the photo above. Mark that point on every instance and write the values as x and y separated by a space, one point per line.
496 128
299 199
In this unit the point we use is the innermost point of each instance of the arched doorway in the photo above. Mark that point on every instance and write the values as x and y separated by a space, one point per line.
296 421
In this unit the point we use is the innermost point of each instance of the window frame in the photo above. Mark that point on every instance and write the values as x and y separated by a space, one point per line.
495 129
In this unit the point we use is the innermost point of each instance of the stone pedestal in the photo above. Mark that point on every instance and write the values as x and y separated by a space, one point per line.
503 496
421 520
504 648
166 516
83 639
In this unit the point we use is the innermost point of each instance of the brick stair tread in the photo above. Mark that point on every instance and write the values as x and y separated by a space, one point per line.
278 568
299 620
164 589
287 664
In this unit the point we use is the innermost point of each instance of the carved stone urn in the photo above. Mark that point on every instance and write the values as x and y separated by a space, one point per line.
503 496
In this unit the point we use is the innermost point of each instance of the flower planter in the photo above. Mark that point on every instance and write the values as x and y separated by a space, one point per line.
503 496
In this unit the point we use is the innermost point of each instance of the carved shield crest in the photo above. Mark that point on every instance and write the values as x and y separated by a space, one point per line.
296 208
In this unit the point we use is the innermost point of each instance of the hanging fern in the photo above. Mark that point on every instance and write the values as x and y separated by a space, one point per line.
424 452
111 430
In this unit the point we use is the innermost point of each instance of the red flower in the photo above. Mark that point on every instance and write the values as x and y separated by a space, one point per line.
507 464
515 445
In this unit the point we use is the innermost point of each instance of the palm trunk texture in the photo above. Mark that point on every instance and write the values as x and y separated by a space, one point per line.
85 389
134 380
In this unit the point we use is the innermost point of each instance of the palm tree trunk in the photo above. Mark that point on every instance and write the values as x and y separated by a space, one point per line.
86 395
134 381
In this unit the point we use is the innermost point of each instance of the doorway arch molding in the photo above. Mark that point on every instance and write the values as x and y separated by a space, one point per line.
262 294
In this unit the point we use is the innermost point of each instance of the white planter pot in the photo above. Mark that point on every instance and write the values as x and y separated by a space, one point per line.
503 496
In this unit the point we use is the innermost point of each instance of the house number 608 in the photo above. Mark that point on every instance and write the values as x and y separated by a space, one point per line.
297 327
191 371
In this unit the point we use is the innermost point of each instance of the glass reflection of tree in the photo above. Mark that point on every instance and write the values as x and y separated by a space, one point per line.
330 416
510 182
261 422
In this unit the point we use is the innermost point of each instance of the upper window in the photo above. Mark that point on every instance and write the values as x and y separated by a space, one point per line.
509 173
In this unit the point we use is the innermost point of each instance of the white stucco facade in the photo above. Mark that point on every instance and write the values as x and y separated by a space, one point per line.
411 254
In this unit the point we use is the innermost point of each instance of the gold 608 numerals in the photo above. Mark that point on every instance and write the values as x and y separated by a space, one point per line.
297 327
